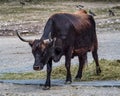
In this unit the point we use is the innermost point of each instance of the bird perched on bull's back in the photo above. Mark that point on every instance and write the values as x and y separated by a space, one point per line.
79 6
111 13
92 13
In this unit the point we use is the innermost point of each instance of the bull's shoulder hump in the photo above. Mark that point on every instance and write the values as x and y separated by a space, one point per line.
71 15
62 14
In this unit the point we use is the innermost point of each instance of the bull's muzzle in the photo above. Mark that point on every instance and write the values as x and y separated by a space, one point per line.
37 68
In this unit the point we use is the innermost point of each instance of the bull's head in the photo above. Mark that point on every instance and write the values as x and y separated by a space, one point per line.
57 49
41 50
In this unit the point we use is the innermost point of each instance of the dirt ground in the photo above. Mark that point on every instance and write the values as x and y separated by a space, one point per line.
67 90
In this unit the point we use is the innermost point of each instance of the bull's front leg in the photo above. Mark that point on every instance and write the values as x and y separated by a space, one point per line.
48 80
68 65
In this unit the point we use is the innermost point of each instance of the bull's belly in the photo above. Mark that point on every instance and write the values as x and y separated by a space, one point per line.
81 51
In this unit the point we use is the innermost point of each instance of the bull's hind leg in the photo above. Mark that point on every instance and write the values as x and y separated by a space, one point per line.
82 59
95 56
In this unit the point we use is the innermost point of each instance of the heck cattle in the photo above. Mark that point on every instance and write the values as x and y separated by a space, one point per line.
69 35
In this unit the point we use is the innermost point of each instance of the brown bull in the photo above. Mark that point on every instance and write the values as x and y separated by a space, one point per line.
70 35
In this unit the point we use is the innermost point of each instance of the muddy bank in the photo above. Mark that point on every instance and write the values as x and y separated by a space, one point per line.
67 90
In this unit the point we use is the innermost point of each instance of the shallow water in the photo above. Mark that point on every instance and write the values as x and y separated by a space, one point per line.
16 56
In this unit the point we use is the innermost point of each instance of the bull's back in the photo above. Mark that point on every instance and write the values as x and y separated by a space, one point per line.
83 29
79 22
62 25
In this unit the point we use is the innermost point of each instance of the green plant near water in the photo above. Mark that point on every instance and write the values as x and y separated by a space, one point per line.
110 71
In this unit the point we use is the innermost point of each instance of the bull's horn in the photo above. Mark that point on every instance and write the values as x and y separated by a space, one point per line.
46 41
50 36
54 40
22 39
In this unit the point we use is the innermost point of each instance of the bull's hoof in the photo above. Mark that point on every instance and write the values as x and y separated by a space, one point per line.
68 82
46 88
98 71
77 79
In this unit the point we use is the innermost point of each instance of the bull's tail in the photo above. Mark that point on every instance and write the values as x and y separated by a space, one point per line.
94 35
48 29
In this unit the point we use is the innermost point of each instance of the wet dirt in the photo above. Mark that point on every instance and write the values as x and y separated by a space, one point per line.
9 89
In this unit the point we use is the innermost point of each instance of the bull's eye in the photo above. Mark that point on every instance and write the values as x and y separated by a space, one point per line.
58 51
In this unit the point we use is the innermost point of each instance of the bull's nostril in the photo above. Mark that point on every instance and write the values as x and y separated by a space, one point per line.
36 67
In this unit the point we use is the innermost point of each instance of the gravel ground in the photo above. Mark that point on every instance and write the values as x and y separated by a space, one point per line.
67 90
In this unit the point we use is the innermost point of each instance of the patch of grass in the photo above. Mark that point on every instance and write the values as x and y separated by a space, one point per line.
14 12
20 10
110 71
101 11
105 11
35 12
27 75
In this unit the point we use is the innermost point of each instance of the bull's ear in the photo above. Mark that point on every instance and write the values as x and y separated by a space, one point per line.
46 41
31 43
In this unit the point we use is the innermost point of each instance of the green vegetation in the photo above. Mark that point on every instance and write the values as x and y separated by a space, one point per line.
110 71
15 12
